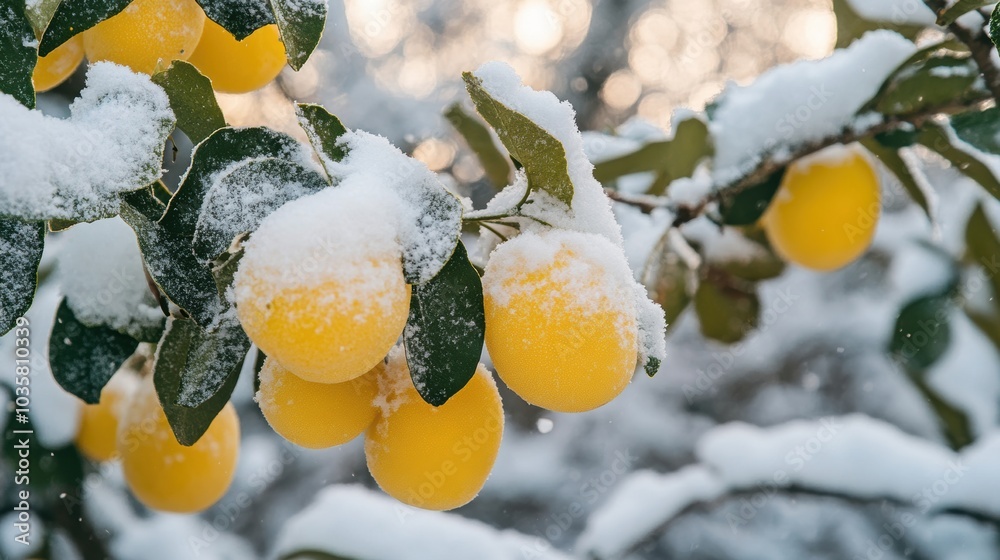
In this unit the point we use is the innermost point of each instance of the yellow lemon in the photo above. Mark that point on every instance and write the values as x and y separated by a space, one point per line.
165 475
561 322
825 212
317 415
145 33
99 422
320 287
239 66
434 458
53 68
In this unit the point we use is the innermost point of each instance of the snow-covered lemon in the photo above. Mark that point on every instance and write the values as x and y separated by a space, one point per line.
53 68
561 323
434 457
165 475
239 66
317 415
145 33
826 210
320 287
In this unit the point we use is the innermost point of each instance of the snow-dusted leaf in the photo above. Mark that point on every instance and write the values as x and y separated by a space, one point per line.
752 266
17 52
192 99
941 139
727 310
76 16
445 330
747 206
949 15
239 17
225 147
495 163
40 13
244 195
84 358
301 24
21 244
995 27
934 81
980 129
175 268
324 130
196 366
906 175
542 156
668 159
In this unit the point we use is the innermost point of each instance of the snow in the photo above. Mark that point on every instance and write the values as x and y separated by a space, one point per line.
619 524
169 537
896 12
55 414
314 239
799 103
353 522
100 271
73 168
429 217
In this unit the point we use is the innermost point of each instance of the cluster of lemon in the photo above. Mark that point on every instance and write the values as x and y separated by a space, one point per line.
129 424
826 210
149 33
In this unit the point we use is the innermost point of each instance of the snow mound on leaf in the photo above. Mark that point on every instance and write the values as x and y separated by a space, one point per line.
802 102
73 168
100 272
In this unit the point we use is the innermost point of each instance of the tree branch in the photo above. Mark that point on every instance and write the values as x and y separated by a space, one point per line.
979 43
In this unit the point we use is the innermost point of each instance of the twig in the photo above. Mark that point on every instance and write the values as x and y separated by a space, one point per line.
979 43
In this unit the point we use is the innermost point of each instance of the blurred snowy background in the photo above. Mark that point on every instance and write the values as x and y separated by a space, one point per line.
847 459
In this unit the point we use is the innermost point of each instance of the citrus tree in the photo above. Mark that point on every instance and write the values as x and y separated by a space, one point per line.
311 261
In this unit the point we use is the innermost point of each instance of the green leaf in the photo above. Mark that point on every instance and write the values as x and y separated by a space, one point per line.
984 246
901 169
939 139
323 130
652 366
922 332
193 365
245 195
960 8
76 16
748 205
670 159
727 310
755 266
17 52
445 330
239 17
84 358
175 268
669 281
542 155
851 26
477 136
146 202
995 26
40 13
301 23
922 55
192 99
21 244
222 149
980 129
929 83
